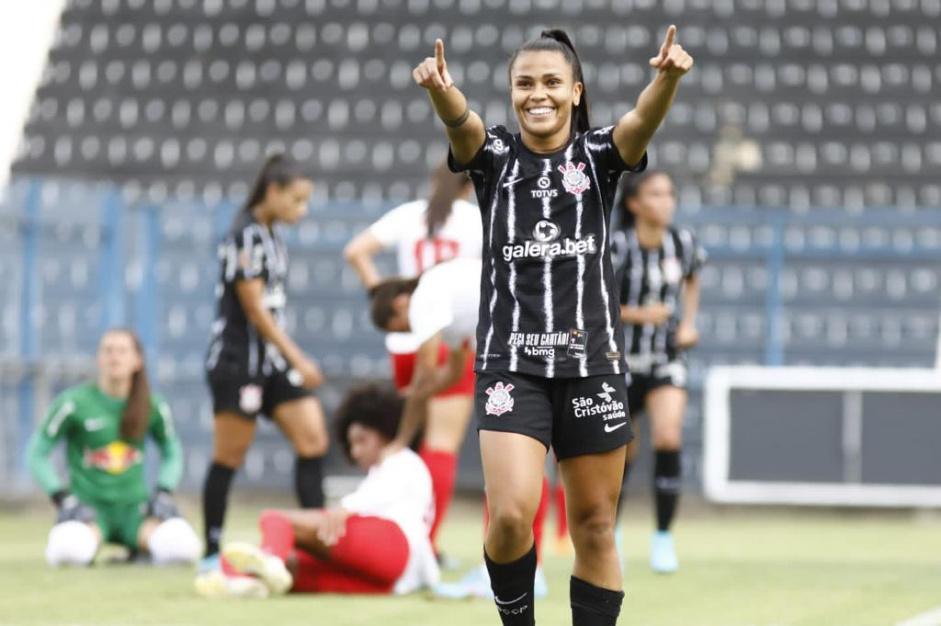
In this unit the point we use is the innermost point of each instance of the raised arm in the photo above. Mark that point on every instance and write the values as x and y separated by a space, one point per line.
635 130
465 129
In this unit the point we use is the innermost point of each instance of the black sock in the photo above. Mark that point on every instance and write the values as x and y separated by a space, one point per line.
623 497
594 606
215 499
308 482
667 482
512 585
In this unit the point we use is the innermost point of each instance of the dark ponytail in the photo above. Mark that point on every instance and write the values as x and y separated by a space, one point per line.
446 188
136 415
277 170
557 40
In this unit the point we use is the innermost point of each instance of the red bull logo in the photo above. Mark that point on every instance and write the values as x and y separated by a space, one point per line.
115 458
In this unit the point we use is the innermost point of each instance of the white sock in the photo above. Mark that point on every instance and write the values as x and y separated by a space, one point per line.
174 541
71 543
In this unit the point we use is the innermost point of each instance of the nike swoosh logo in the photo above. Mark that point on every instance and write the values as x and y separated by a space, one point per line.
512 182
608 428
499 601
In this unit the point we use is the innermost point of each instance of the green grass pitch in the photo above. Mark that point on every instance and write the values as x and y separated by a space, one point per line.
739 567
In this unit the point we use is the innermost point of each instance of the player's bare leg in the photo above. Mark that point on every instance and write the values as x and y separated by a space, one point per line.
302 422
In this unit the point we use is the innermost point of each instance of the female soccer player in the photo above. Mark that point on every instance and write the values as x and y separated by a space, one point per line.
659 264
376 541
423 234
253 366
549 361
104 425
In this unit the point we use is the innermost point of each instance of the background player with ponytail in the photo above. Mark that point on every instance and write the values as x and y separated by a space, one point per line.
253 366
424 233
659 266
549 362
104 425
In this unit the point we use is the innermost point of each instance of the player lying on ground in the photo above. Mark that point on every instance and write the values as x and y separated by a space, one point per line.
550 367
659 268
104 425
424 233
376 541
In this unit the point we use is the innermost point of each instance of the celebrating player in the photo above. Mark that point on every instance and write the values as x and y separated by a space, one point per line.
659 264
549 362
104 425
253 366
423 234
376 541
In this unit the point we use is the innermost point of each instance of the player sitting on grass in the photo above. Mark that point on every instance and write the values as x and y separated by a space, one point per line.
104 425
375 542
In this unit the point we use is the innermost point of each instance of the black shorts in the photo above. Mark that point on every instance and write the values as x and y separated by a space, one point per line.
573 416
235 390
670 374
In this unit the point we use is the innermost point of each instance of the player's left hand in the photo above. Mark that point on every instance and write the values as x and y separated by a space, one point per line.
686 336
672 60
162 505
332 526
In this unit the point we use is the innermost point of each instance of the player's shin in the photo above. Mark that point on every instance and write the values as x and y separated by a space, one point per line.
594 606
512 585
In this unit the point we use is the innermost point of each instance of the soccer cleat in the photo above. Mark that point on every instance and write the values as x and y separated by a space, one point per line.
215 585
662 553
247 558
209 564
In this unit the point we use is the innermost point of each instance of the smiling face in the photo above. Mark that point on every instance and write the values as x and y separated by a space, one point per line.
366 444
655 202
288 203
544 92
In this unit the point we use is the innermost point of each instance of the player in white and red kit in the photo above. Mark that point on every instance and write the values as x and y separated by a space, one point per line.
424 233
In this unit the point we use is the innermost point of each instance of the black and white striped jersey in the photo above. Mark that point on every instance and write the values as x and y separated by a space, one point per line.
250 250
653 276
549 299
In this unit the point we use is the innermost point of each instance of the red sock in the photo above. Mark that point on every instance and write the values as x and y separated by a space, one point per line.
443 468
277 534
561 521
316 576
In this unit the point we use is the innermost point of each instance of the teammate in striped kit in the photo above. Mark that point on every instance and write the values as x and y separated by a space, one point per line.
423 234
253 366
658 265
549 360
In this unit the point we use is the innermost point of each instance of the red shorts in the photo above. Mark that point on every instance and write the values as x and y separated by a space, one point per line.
403 368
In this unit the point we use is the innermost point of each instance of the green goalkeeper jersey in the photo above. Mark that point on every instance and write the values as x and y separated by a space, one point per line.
102 467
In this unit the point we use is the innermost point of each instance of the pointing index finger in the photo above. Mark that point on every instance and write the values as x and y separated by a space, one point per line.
671 36
439 52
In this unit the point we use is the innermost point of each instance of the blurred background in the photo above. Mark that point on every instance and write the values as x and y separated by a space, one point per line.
805 145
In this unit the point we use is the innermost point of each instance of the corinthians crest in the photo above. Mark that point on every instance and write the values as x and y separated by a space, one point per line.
574 178
499 401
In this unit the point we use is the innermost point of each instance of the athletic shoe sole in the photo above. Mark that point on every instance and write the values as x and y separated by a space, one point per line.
250 559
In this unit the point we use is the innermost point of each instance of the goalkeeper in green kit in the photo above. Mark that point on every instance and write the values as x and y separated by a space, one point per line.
104 425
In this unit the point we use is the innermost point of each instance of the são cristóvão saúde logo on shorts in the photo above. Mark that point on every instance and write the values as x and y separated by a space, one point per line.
499 400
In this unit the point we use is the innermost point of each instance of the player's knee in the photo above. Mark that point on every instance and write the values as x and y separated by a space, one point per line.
173 541
593 531
314 445
669 441
510 524
71 543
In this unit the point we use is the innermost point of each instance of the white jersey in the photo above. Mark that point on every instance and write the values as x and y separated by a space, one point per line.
399 490
447 299
405 230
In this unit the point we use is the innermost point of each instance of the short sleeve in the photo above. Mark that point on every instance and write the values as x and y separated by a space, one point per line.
388 228
695 256
245 255
599 143
490 156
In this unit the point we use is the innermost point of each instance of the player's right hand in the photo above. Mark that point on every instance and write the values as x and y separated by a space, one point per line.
71 509
432 73
310 373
